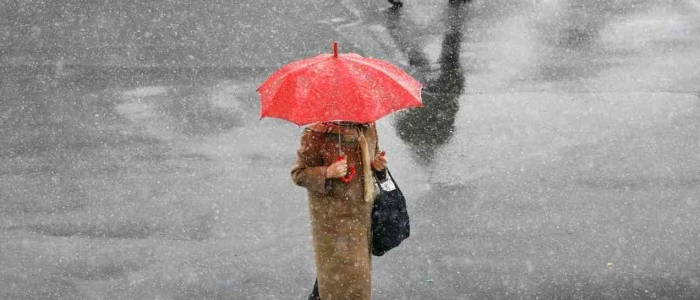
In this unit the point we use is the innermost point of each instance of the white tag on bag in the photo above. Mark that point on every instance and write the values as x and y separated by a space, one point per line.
388 185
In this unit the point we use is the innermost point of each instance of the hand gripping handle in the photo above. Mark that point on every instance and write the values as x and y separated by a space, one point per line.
347 178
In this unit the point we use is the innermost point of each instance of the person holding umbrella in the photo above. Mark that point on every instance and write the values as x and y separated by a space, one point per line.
340 208
340 96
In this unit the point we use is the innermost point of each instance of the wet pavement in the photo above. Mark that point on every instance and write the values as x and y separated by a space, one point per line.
556 158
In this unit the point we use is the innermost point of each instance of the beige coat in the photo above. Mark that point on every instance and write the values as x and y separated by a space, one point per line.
340 212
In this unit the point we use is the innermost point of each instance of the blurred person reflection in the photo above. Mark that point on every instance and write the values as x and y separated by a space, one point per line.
426 129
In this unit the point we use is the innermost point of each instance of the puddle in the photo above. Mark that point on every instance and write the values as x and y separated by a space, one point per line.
147 91
124 230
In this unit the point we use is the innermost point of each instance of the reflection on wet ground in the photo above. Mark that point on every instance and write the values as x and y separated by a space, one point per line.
76 106
428 128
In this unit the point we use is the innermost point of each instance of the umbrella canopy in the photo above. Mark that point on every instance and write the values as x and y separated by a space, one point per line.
345 87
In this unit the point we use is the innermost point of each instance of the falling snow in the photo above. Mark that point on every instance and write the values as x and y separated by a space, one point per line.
557 155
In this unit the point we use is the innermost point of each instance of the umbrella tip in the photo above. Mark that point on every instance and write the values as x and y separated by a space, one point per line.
335 49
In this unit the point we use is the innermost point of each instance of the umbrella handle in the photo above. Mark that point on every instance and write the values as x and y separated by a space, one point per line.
347 178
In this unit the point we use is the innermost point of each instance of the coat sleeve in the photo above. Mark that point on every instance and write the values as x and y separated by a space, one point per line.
381 175
308 170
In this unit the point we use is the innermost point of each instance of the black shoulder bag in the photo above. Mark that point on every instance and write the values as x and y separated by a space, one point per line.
390 224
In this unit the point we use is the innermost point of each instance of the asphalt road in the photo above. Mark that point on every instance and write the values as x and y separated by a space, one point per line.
557 157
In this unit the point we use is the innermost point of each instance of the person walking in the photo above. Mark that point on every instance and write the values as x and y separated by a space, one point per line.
340 207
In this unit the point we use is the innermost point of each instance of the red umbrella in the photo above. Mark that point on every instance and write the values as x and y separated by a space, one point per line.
345 87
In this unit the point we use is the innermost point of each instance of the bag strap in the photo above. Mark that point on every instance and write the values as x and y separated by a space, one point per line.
388 173
392 179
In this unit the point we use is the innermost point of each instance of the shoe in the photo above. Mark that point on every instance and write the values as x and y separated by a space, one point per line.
314 292
396 3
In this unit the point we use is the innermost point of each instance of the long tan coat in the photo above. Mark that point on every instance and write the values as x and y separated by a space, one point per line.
340 212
